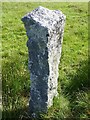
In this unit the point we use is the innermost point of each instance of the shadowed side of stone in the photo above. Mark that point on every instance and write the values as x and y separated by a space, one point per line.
44 29
39 70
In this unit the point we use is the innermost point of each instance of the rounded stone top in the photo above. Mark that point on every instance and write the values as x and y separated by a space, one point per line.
44 17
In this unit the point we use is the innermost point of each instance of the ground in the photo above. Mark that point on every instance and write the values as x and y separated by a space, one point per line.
73 81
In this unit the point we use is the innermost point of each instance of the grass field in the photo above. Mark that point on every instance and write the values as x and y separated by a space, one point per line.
73 82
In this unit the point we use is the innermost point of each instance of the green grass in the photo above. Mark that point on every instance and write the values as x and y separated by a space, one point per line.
73 83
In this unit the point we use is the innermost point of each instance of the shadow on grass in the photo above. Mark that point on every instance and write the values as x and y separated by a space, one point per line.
18 114
15 85
78 91
80 81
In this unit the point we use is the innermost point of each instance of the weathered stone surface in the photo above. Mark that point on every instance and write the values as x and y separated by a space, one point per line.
44 29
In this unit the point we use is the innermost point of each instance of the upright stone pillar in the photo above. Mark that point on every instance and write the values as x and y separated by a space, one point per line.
45 30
